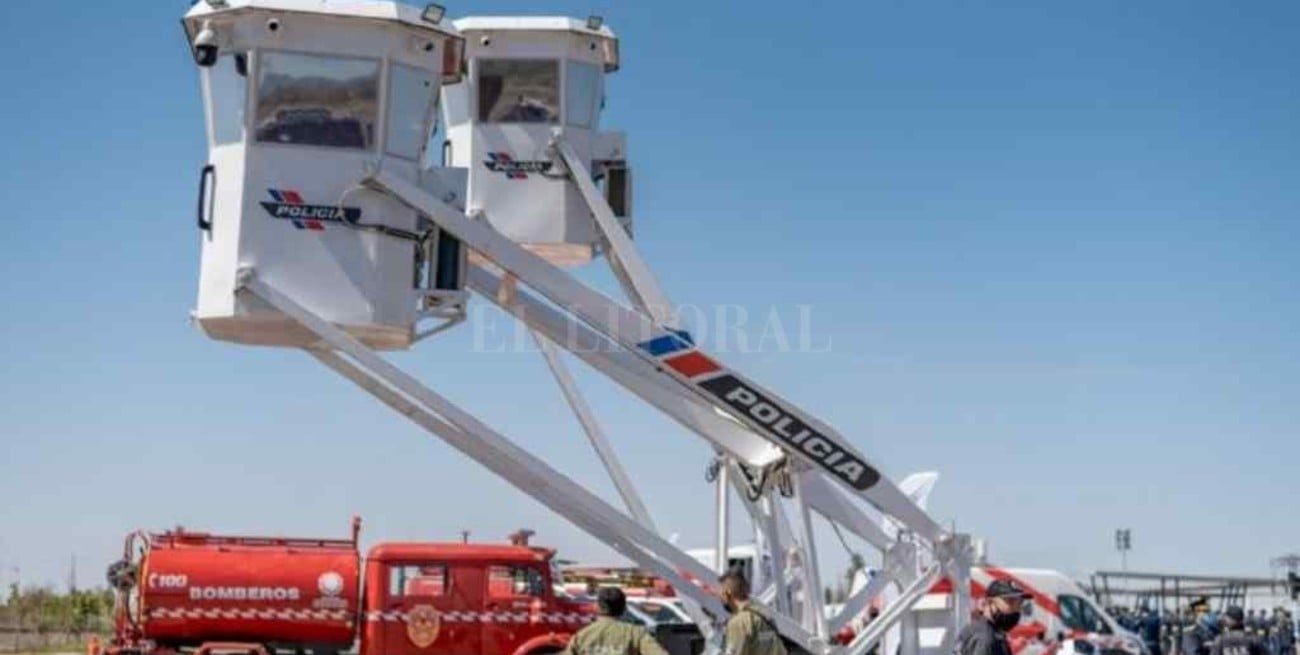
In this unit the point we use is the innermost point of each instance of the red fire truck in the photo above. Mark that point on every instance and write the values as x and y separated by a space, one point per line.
190 591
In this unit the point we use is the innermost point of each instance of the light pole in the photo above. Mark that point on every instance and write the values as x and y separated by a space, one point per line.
17 602
1123 543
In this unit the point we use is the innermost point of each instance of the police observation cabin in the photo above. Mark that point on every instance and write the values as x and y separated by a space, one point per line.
303 99
535 82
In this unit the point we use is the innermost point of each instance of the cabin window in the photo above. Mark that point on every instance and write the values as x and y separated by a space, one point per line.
317 101
227 98
1078 614
511 581
427 580
410 108
518 91
582 94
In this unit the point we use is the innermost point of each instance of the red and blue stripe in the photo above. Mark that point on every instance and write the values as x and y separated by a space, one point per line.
677 350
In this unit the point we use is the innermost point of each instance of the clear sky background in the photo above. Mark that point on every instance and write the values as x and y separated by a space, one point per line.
1053 246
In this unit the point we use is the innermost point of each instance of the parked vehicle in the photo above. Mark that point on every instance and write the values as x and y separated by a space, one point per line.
193 591
667 622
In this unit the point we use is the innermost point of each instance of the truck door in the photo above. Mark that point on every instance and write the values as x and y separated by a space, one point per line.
430 609
515 595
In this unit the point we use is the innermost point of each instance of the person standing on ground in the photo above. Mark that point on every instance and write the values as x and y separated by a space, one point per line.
1197 640
1285 632
610 636
748 631
1149 628
997 613
1235 640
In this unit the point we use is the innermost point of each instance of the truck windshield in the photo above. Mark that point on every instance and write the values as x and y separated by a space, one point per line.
318 101
1078 614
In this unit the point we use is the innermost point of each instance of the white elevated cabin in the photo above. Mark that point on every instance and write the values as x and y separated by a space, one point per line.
532 80
304 98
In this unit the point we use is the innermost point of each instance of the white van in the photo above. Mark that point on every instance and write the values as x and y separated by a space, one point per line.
1060 617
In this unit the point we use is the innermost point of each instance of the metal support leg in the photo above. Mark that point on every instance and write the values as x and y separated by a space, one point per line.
814 616
894 613
722 498
594 433
638 282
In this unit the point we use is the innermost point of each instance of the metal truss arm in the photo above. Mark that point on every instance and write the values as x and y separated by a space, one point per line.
832 504
811 440
594 433
638 282
630 372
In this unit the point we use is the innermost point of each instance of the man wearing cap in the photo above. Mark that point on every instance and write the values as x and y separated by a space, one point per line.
610 636
748 631
1234 640
996 614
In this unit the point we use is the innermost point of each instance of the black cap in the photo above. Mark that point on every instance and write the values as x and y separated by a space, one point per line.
611 601
1006 589
1234 613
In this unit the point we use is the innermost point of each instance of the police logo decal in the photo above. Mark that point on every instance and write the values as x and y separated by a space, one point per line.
422 625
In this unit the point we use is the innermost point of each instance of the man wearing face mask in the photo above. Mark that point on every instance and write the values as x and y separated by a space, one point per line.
998 613
748 631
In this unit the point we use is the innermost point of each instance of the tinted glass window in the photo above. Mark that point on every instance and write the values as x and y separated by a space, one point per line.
410 108
319 101
582 98
518 91
228 93
417 580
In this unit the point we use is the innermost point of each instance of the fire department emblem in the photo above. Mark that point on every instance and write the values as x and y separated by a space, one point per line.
422 625
330 583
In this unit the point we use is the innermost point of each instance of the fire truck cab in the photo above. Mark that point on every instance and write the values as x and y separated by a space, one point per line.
465 599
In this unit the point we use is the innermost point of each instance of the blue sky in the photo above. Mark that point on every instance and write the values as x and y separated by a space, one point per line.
1052 246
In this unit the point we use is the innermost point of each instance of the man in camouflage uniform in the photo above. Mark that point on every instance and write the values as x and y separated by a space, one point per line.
610 636
748 631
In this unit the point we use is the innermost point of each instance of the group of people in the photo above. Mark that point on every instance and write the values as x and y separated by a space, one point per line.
1194 631
748 631
1236 632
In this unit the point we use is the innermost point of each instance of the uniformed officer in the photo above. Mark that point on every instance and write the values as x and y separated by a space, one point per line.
748 632
1197 640
1284 634
610 636
1234 640
1149 628
998 612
